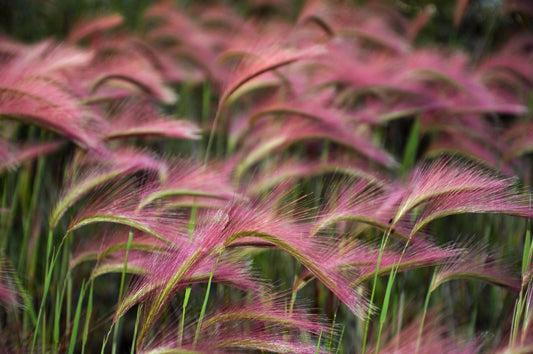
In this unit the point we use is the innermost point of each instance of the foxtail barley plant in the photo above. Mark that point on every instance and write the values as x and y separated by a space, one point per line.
266 176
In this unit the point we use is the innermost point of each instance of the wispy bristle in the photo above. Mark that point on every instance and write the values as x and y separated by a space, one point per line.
185 178
478 263
89 28
435 338
137 72
141 119
259 323
444 179
297 169
268 58
99 172
9 295
12 156
119 204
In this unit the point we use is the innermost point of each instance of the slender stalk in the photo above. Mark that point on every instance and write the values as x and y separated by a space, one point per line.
68 281
317 350
136 328
88 315
50 263
30 217
424 313
206 103
518 312
192 223
409 155
6 218
106 338
526 265
527 314
43 336
386 300
204 305
121 291
294 291
384 241
517 315
212 135
340 340
400 314
384 310
330 344
74 332
57 314
192 220
184 306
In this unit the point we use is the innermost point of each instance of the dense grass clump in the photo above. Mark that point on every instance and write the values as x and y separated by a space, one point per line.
313 176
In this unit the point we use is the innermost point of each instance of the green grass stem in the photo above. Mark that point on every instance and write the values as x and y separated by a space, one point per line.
184 307
317 350
409 155
388 293
340 340
204 305
121 291
424 313
136 328
50 263
384 241
88 314
75 325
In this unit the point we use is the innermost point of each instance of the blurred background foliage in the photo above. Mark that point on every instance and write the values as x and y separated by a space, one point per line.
483 26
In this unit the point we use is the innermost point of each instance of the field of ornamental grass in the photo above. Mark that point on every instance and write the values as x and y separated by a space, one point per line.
266 176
